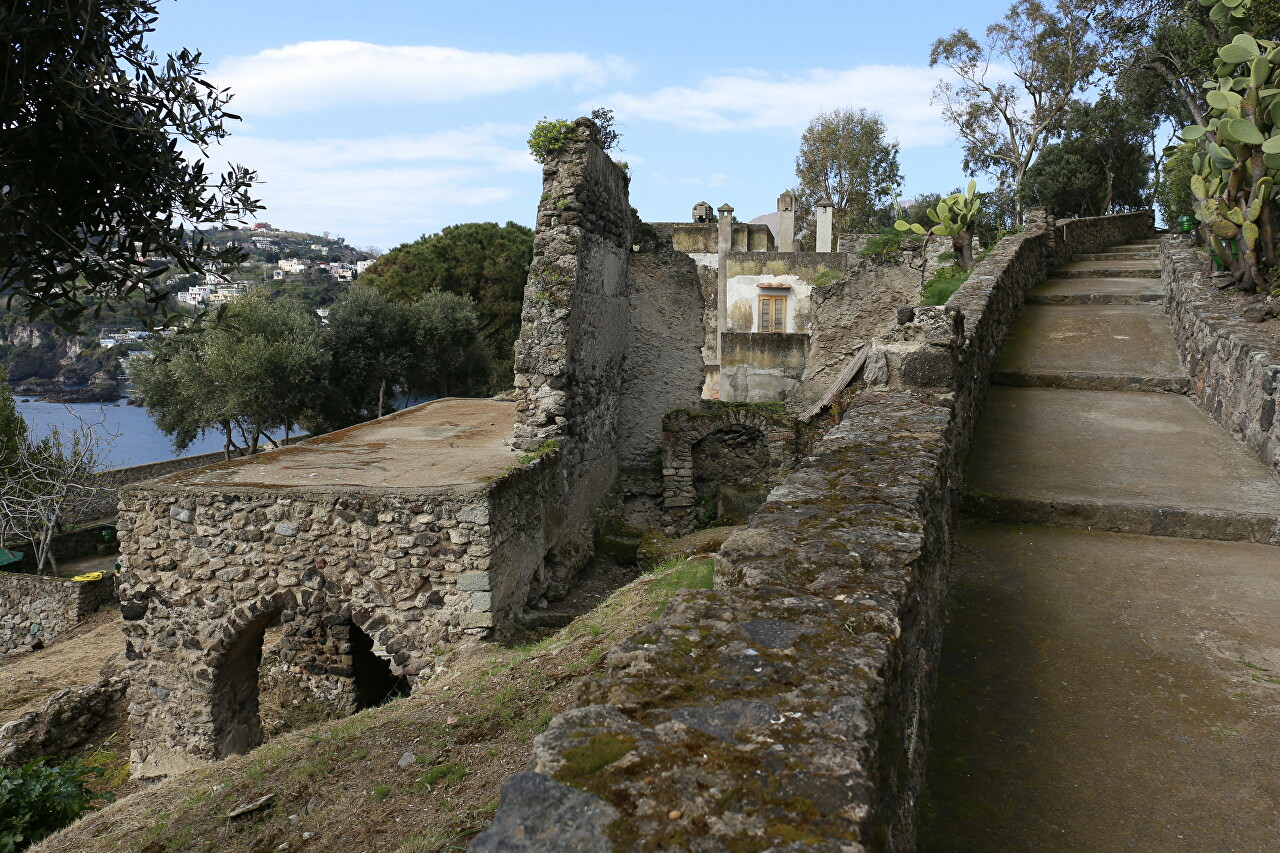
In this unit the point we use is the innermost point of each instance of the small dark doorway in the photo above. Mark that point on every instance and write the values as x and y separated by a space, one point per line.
730 474
375 683
237 725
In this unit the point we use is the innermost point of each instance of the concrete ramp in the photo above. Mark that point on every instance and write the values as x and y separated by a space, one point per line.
1110 675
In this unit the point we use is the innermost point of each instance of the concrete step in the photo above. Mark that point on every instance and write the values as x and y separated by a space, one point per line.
1106 692
1097 291
1131 463
1108 269
1104 347
1133 255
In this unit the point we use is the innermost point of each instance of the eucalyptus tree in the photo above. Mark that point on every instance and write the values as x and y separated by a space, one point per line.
1012 88
846 156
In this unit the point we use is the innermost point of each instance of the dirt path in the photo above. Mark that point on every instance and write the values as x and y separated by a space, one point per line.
74 659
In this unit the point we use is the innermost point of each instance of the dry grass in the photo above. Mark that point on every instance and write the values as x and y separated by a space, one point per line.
347 785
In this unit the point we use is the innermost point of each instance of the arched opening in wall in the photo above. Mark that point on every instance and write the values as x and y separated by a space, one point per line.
237 725
374 681
731 469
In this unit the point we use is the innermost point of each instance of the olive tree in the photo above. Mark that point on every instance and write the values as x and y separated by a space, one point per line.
96 162
250 369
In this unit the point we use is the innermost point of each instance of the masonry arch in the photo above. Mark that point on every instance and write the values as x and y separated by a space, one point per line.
235 662
719 461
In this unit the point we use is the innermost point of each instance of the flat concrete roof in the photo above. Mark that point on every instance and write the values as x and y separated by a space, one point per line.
449 442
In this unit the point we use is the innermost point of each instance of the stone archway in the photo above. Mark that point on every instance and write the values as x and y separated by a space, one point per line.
237 725
731 472
234 662
757 442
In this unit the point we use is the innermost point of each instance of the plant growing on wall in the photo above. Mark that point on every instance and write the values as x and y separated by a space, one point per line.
551 135
1238 156
955 216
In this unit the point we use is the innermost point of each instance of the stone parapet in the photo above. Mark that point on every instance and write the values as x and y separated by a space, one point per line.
1234 364
1091 233
788 708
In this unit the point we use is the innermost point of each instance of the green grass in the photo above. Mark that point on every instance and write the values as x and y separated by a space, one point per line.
675 575
945 282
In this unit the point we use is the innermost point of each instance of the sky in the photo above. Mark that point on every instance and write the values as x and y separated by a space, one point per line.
384 120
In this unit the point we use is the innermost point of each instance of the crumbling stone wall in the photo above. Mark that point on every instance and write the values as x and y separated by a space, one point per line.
204 573
34 610
63 722
788 708
847 313
1234 364
663 369
575 333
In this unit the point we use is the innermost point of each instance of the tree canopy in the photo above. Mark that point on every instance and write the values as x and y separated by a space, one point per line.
846 157
1100 163
253 369
482 260
1053 54
95 163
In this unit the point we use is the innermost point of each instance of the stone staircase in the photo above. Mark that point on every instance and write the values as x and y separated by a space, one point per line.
1111 671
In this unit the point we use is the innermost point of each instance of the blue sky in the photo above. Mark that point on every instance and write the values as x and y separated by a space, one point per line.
385 120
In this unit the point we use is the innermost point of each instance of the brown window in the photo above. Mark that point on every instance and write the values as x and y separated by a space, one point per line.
773 313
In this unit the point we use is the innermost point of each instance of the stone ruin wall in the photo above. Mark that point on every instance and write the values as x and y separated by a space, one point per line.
34 610
1234 364
205 569
788 708
203 572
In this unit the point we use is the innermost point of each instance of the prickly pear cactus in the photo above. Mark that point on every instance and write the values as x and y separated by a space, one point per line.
956 216
1238 159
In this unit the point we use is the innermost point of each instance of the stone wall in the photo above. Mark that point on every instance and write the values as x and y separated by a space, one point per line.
1234 364
698 238
761 368
62 724
34 610
205 572
1092 233
846 314
788 708
663 369
575 330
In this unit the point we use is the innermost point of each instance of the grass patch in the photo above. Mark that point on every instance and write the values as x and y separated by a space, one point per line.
945 281
675 575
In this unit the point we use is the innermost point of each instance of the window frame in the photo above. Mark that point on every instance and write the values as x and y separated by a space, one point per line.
767 315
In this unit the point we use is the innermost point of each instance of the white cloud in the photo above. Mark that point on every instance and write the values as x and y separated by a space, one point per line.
317 75
753 101
389 189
